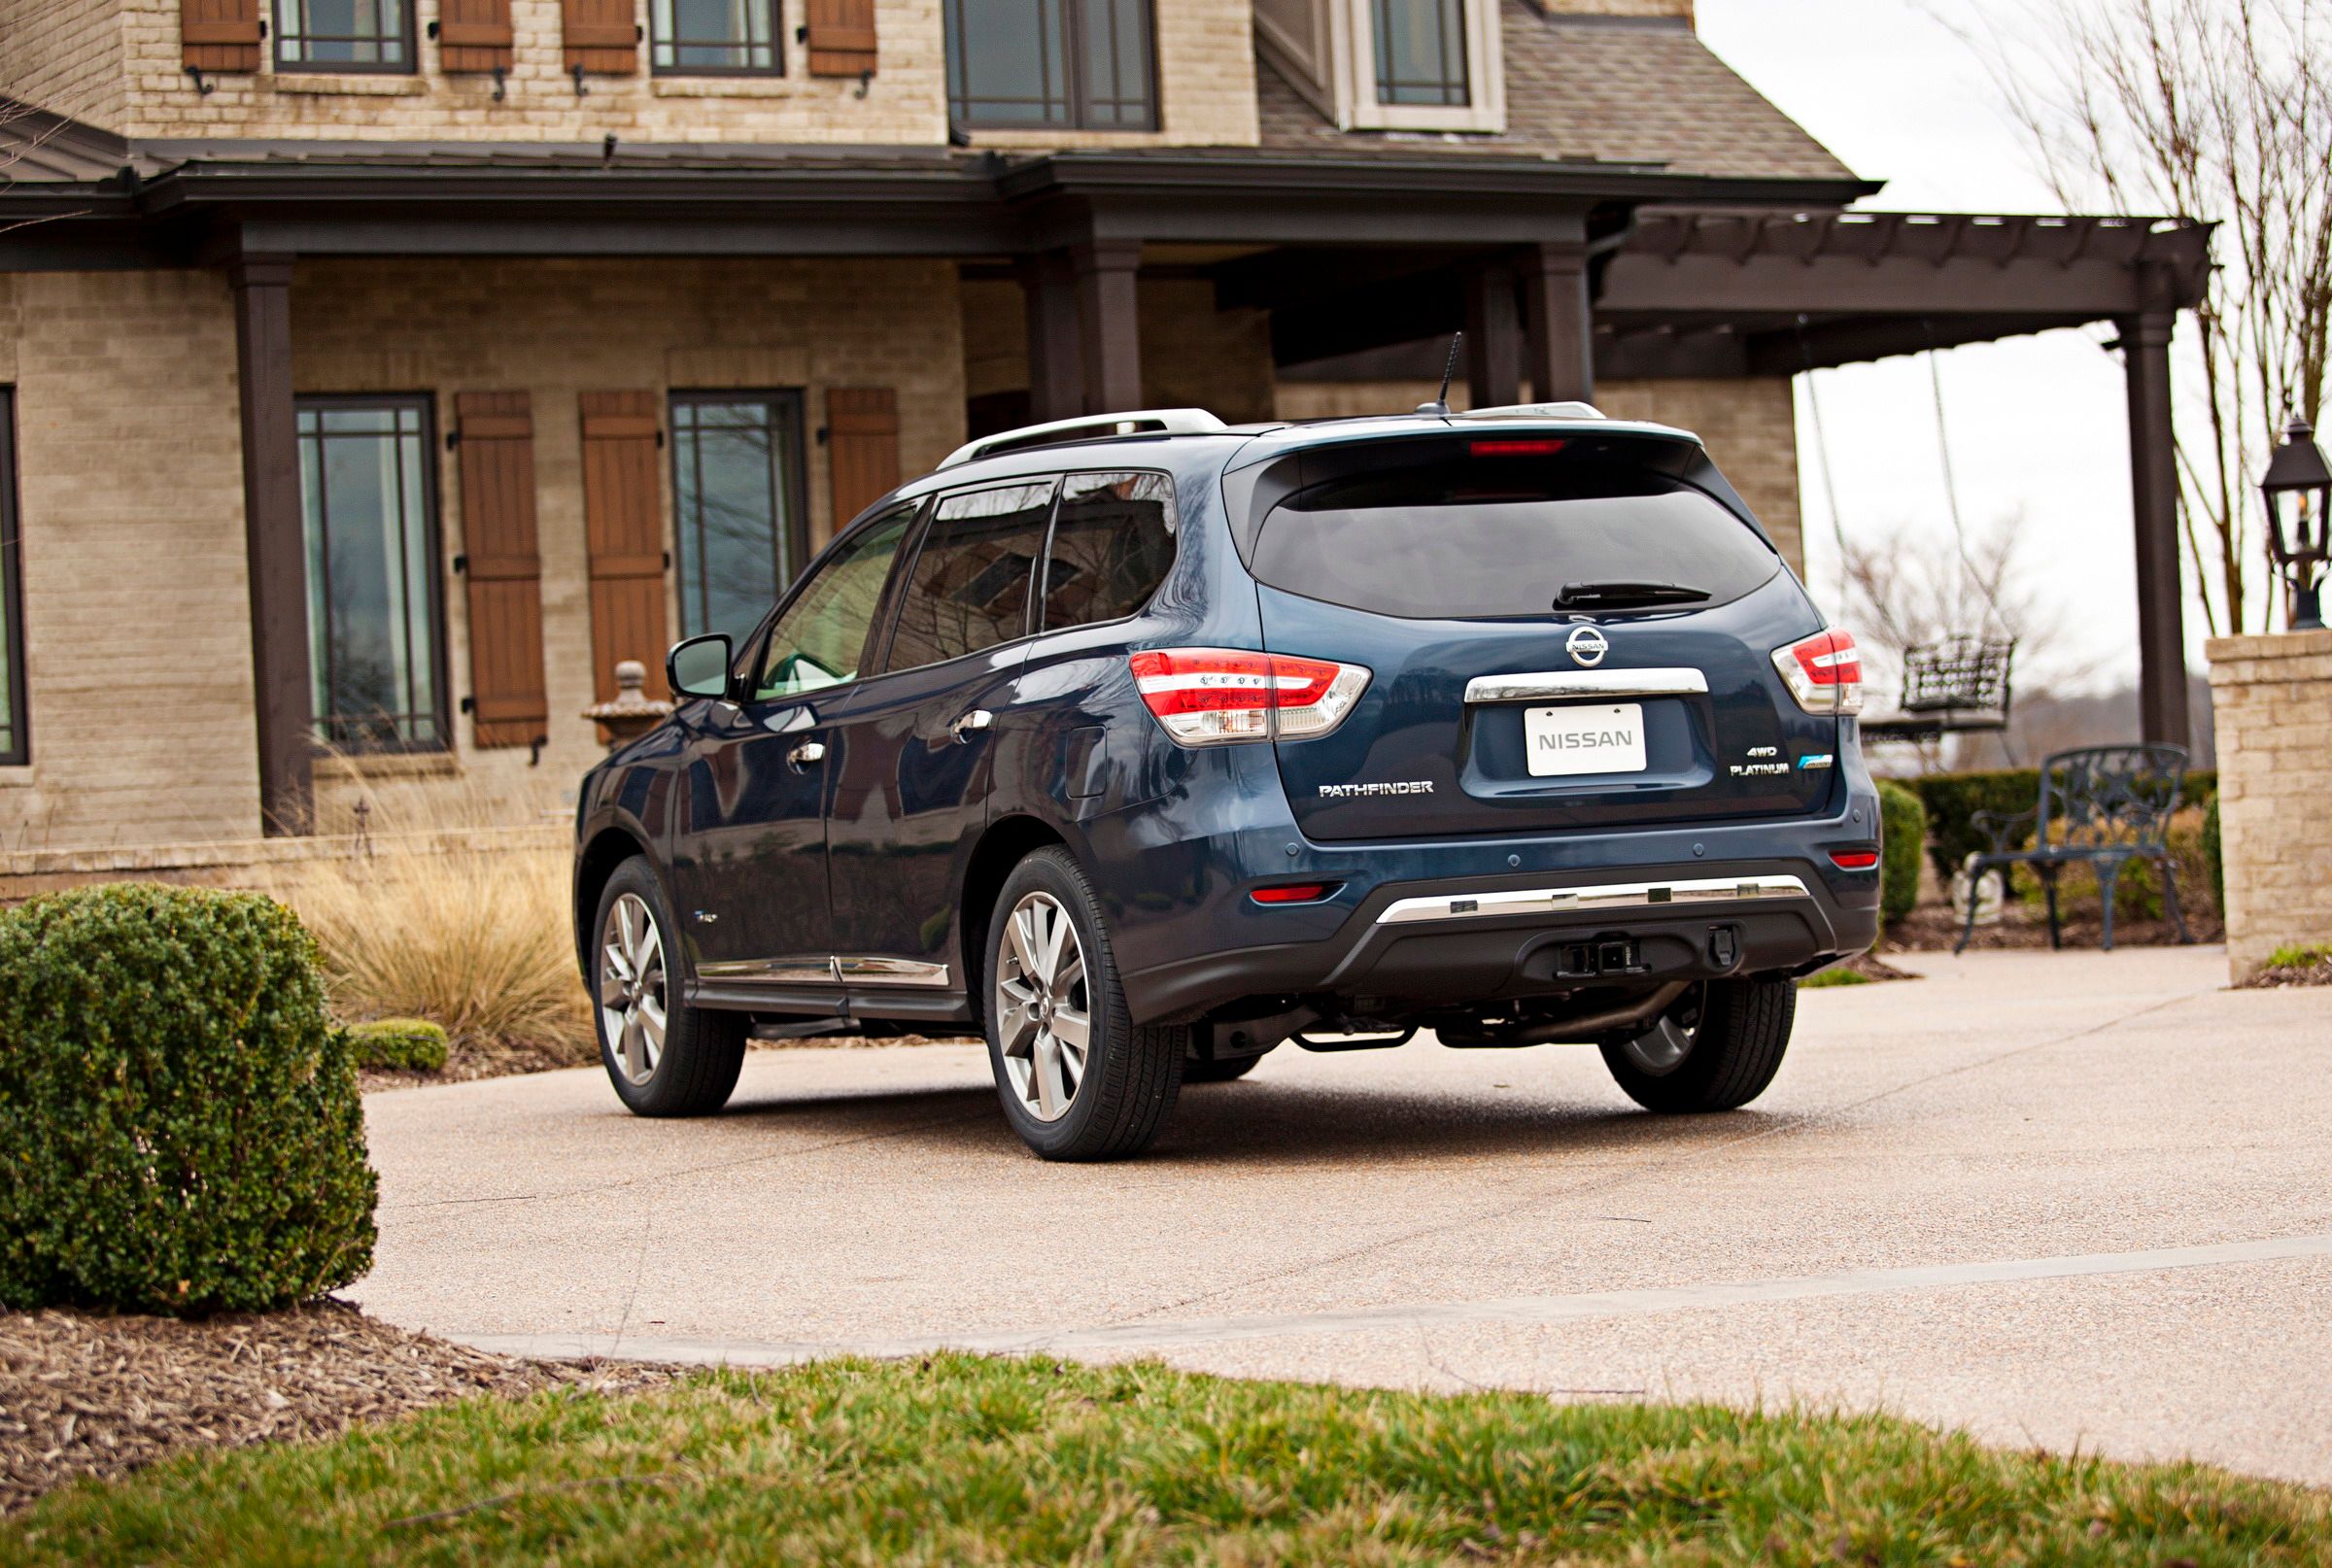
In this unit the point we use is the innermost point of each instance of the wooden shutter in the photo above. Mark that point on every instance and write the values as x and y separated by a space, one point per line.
624 527
862 447
473 35
504 572
842 36
603 36
219 35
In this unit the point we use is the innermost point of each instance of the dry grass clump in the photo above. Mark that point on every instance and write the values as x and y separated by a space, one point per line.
438 916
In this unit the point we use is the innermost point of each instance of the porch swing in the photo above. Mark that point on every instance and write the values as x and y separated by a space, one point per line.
1960 683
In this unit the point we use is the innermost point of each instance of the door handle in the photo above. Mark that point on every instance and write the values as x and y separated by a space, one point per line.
976 719
810 751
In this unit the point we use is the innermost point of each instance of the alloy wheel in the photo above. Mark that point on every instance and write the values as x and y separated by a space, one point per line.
1662 1048
1041 1007
631 987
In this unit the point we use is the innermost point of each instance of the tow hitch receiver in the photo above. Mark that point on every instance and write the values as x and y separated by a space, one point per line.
1604 955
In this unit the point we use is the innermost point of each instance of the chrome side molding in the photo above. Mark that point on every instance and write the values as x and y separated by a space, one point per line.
832 971
1561 684
1582 899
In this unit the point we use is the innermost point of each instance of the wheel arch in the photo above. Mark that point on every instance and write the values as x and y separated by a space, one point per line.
606 849
1005 843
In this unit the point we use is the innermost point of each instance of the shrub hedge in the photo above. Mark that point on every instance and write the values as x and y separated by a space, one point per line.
1902 833
414 1045
2215 864
1952 800
180 1127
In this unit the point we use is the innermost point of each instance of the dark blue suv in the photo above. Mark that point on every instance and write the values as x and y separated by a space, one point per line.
1145 745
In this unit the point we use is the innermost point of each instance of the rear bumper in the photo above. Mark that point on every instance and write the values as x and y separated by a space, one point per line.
1697 902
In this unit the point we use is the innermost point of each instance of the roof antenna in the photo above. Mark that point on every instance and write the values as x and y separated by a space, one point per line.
1439 408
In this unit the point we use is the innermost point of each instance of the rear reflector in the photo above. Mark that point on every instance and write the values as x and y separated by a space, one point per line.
1295 893
1516 449
1854 859
1825 672
1211 696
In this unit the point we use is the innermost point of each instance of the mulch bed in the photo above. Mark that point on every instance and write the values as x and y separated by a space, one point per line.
1871 966
95 1394
1933 928
468 1064
2318 972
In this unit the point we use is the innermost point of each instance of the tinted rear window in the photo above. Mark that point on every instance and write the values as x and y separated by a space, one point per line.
1484 539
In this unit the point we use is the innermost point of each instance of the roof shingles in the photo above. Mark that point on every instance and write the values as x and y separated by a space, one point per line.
1605 88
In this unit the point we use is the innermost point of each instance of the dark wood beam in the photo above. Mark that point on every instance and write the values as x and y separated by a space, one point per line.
1559 323
1056 364
1493 338
2086 290
1109 322
274 542
1823 344
2155 495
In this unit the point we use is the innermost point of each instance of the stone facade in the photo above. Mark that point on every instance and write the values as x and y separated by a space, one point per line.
1750 427
138 630
2273 702
117 63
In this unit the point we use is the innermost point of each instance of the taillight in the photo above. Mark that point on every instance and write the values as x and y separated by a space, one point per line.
1210 697
1825 672
1295 893
1854 859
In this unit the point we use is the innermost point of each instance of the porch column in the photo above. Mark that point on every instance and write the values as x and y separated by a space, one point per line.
274 542
1494 339
1560 322
1057 366
2155 495
1108 324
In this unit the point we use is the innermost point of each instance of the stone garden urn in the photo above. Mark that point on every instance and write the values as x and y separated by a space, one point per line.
631 713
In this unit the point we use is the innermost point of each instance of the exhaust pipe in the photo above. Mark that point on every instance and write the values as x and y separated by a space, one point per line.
1583 1029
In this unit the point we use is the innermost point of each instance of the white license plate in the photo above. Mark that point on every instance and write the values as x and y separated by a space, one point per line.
1584 740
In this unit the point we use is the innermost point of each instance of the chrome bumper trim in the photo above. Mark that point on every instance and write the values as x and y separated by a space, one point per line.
1560 685
1585 899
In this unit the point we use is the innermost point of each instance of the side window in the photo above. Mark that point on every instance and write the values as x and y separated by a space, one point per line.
969 586
1111 547
820 638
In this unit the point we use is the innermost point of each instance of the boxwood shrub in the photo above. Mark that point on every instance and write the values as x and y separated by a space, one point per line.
414 1045
180 1127
1902 836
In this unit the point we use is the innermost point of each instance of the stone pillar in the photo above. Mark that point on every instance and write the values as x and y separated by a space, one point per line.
1108 324
1560 322
2155 495
2272 696
1056 365
275 544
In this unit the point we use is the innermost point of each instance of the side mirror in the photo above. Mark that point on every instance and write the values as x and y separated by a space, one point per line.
698 666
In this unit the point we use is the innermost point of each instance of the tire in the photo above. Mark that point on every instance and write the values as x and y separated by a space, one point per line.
1221 1070
696 1067
1717 1049
1112 1101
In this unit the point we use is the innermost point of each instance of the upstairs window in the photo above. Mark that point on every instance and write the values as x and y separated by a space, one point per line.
736 489
12 605
715 38
344 35
1052 65
373 626
1420 48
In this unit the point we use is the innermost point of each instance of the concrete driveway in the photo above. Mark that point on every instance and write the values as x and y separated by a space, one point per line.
2069 1199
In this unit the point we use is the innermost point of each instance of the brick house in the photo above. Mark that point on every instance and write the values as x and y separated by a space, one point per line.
381 372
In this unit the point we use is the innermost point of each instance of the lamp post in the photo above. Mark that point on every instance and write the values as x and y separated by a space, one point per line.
2299 504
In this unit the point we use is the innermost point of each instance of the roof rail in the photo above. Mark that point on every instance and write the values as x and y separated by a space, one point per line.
1535 411
1090 428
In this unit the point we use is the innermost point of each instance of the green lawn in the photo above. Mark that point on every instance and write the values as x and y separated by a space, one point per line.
959 1459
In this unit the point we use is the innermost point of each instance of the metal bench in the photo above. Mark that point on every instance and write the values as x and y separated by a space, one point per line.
2103 807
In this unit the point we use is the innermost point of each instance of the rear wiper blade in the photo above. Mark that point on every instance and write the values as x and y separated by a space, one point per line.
1577 596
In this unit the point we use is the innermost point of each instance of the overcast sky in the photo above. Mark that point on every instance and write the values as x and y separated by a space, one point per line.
2036 424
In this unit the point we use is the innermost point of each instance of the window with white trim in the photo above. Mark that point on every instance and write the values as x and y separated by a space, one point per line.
1390 64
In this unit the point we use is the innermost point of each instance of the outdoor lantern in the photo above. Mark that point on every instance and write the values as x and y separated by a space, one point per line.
2299 501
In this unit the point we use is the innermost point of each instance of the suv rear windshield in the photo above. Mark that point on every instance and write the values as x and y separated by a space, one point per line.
1496 539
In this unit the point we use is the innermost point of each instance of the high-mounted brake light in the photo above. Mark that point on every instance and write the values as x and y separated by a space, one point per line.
1854 859
1212 697
1825 672
1516 449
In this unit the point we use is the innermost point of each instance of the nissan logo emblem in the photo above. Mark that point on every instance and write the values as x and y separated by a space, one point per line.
1587 646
